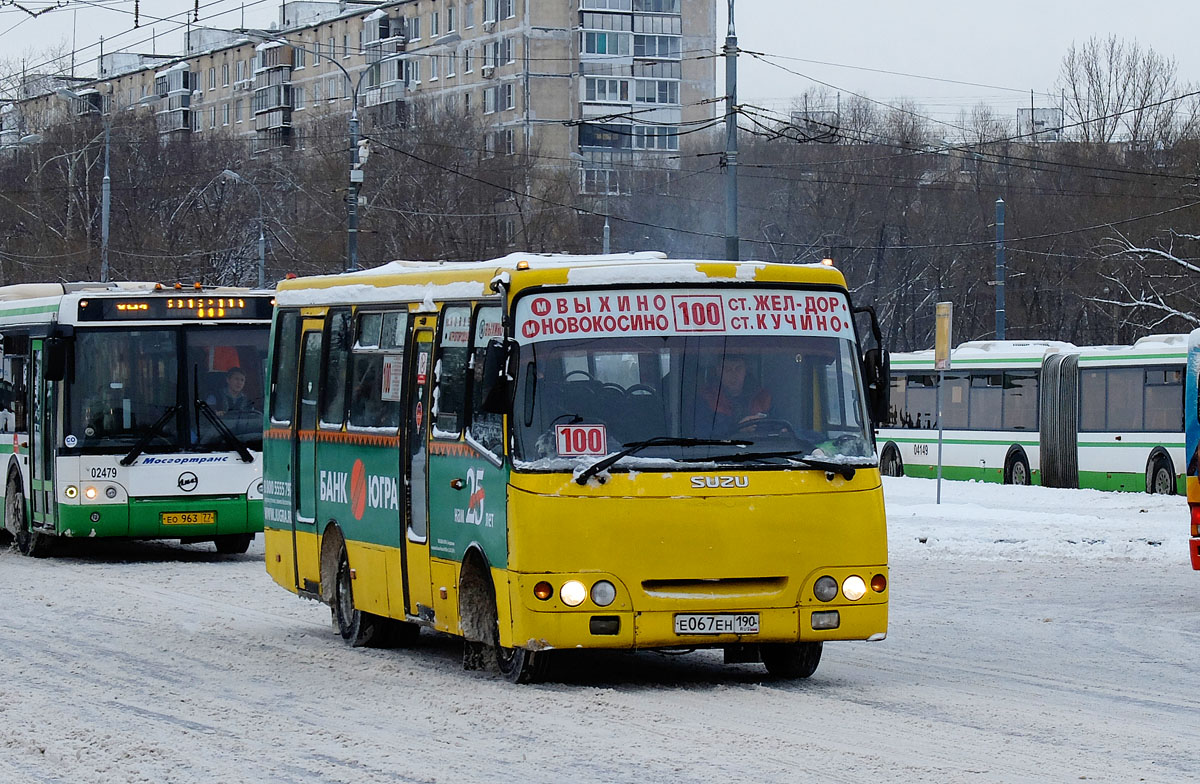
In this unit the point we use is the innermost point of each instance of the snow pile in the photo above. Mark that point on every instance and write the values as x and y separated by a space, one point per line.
1002 522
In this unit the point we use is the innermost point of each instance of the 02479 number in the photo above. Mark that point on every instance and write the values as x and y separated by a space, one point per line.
724 623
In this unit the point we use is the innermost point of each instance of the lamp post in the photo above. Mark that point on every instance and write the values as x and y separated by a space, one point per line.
356 175
106 183
233 176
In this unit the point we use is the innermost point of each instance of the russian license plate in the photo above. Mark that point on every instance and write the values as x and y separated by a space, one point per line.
188 518
725 623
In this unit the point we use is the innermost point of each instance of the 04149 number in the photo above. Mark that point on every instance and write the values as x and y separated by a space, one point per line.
725 623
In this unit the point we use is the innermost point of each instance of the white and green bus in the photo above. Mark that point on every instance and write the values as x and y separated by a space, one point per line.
1043 412
132 410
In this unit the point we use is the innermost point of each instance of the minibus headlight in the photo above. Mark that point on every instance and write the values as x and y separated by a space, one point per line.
604 593
854 588
573 593
825 588
71 491
90 493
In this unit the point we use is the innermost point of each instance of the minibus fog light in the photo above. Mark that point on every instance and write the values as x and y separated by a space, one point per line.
90 493
854 588
827 619
825 588
603 593
573 593
110 491
71 491
543 590
879 583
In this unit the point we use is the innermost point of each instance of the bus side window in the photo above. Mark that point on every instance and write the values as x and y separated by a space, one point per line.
13 387
368 408
487 429
283 374
450 371
333 394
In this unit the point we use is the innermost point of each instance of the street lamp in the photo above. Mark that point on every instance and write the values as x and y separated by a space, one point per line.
233 176
356 175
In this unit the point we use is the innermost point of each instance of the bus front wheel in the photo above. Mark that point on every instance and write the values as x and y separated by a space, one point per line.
30 543
521 665
791 660
359 629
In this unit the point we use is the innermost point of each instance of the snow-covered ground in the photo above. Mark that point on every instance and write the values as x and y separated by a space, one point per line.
1036 635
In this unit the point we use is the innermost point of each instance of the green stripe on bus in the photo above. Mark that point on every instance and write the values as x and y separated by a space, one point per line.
1134 359
933 440
1033 361
7 312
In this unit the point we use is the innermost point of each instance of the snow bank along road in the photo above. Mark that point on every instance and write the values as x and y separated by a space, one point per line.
1036 635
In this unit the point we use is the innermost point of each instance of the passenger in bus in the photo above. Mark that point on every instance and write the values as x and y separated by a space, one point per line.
233 397
733 398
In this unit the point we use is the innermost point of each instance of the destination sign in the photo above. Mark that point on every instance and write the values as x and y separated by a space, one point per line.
175 308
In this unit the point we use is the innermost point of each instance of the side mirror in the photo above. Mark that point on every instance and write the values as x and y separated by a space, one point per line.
499 376
877 373
54 359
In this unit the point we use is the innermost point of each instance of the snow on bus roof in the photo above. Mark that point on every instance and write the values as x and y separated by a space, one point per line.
995 349
594 270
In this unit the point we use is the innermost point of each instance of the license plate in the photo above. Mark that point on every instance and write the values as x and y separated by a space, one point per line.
188 518
725 623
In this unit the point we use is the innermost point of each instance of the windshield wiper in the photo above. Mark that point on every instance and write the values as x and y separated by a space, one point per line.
637 446
847 470
231 439
145 440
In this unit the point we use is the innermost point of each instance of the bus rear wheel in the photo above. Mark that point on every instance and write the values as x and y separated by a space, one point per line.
890 462
1160 479
30 543
791 660
233 544
1016 471
359 629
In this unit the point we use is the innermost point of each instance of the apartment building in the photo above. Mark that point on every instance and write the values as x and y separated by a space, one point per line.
607 85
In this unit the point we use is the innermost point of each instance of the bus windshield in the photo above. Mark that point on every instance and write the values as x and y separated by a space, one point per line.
127 386
718 398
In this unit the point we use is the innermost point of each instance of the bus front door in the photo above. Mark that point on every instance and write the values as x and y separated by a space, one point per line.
416 539
41 444
305 542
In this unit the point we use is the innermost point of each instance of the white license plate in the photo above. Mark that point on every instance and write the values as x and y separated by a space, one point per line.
725 623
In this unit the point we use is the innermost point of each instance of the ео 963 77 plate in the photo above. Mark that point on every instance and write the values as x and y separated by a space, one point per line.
722 623
188 518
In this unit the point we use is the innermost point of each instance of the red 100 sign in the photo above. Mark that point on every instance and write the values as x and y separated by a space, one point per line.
581 440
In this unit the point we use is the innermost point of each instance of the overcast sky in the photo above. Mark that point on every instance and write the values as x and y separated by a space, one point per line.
997 52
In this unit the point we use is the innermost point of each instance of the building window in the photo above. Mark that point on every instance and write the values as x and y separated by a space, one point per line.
434 67
331 50
345 45
468 64
225 74
509 50
489 100
414 29
450 21
300 58
298 97
469 15
509 102
467 102
650 91
607 5
508 143
653 6
606 90
507 9
237 111
225 114
451 63
607 43
331 87
212 78
212 117
655 138
656 46
489 10
434 24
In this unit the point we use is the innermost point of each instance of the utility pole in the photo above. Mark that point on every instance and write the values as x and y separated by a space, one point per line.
105 200
732 251
356 178
1000 269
